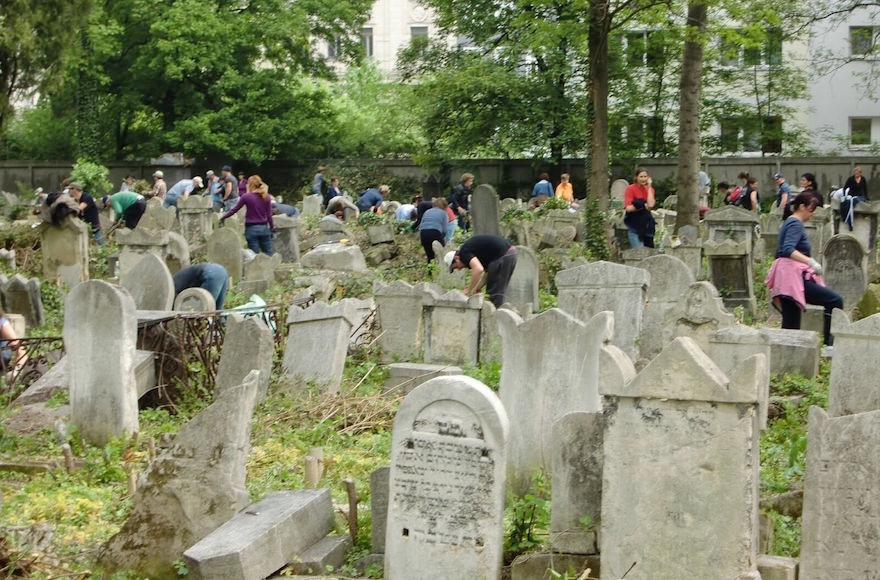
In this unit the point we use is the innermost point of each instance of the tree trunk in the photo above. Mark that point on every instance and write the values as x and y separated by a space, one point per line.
597 107
689 117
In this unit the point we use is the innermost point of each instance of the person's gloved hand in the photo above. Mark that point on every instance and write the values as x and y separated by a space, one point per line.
816 266
639 203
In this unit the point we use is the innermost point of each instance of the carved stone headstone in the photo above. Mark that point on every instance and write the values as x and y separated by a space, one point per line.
100 335
312 205
247 345
137 243
485 210
670 278
158 218
195 300
522 292
150 284
401 323
65 245
259 273
448 462
22 296
845 268
730 271
618 189
196 224
452 327
286 240
699 314
856 350
224 248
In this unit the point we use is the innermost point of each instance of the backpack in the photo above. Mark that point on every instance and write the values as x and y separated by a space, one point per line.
735 196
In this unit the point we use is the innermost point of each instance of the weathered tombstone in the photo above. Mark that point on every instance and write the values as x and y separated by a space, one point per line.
448 462
452 327
65 245
698 315
158 218
382 233
379 507
137 243
195 300
730 271
618 189
195 214
841 496
176 252
401 323
259 274
732 223
224 248
689 249
312 205
490 338
247 345
22 296
522 292
100 335
338 257
445 278
869 304
845 268
190 489
317 342
7 258
681 421
793 351
864 227
485 210
670 278
576 483
856 349
730 347
332 229
404 377
634 256
150 284
599 286
550 367
286 238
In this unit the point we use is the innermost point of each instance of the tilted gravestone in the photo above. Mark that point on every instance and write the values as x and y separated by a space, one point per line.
150 284
224 248
100 335
670 278
137 243
550 367
856 349
190 489
684 422
522 292
845 268
730 347
176 253
448 463
841 496
338 257
698 315
158 218
259 274
485 210
65 245
22 296
247 345
312 205
586 290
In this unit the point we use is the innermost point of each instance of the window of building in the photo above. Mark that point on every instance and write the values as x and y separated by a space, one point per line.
734 53
367 41
772 137
333 48
645 48
860 131
750 134
861 40
418 32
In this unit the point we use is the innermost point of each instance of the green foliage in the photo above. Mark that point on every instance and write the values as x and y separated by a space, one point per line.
93 176
368 218
595 222
527 518
547 300
551 204
180 567
488 373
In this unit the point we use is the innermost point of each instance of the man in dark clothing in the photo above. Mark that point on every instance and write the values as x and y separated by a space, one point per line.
88 210
491 260
459 198
208 275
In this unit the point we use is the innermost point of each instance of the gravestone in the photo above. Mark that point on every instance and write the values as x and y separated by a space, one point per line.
485 210
157 218
452 327
669 279
681 421
550 367
247 345
317 342
490 338
586 290
576 483
286 240
382 233
312 205
224 248
100 335
195 300
137 243
793 351
259 274
7 258
332 229
730 347
401 322
845 268
176 253
869 304
522 292
150 284
864 227
445 278
841 496
689 249
337 257
698 315
856 349
730 271
379 507
65 245
618 190
22 296
191 488
448 462
634 256
196 223
732 223
404 377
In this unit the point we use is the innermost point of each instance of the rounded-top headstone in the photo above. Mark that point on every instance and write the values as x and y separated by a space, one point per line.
150 284
195 300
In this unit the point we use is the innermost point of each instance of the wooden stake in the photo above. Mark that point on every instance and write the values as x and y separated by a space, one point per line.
352 509
68 457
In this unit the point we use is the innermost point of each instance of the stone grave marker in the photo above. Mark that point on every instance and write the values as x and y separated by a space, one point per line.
586 290
224 248
793 351
382 233
332 229
195 215
191 488
522 292
550 367
448 462
7 258
247 345
137 243
312 205
670 278
379 507
485 210
100 335
634 256
338 257
845 268
286 240
452 327
195 300
841 496
176 253
856 349
618 189
684 422
730 271
401 322
150 284
730 347
158 218
699 314
22 296
259 273
65 245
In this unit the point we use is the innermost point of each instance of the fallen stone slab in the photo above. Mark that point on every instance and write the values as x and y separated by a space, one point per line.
263 537
404 377
793 351
323 557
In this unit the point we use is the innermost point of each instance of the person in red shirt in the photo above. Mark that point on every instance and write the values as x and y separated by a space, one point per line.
638 201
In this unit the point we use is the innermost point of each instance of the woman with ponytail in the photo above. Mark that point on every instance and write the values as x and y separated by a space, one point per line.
258 225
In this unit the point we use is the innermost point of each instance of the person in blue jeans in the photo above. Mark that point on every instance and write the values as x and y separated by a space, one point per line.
258 224
209 276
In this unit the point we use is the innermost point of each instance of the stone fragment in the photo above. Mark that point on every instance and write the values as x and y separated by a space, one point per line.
247 345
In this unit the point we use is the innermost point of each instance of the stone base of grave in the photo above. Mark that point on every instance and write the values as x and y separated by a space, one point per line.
323 557
338 257
813 318
264 537
777 567
793 351
404 377
535 566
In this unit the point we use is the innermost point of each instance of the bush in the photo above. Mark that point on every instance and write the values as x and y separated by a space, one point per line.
93 176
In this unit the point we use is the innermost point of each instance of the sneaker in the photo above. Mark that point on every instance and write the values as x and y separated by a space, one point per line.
827 351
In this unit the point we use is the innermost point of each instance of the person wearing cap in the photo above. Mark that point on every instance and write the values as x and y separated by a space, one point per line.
160 188
783 191
230 188
491 260
128 206
181 190
88 210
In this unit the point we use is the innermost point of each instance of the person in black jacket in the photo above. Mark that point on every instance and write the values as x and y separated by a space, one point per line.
459 198
491 260
856 184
